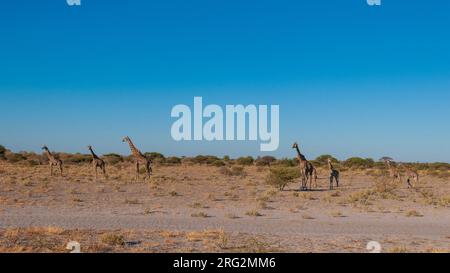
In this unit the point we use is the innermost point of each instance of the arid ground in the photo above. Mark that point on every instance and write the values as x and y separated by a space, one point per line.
197 208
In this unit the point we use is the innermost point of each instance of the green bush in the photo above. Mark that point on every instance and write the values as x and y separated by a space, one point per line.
155 157
357 162
286 162
245 161
205 159
280 177
112 158
13 157
173 160
323 160
75 158
265 161
218 163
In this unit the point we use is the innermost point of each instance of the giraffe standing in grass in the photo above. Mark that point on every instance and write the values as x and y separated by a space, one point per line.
140 158
334 174
97 163
410 175
307 170
393 170
53 161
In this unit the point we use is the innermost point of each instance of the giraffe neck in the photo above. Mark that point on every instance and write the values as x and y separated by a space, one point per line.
389 165
49 155
330 166
299 155
133 148
92 153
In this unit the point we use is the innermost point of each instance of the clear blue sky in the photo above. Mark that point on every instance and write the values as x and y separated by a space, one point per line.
350 79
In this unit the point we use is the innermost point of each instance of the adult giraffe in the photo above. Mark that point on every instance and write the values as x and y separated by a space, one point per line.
53 161
97 162
139 158
307 170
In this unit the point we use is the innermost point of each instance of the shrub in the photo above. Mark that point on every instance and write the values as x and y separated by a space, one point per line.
233 171
225 171
357 162
238 171
112 239
218 163
281 176
286 162
226 158
265 161
155 157
13 157
173 160
246 161
32 162
323 160
112 158
75 158
205 159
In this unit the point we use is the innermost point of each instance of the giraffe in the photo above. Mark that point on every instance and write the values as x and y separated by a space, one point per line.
393 170
140 158
97 162
410 175
53 161
307 170
334 174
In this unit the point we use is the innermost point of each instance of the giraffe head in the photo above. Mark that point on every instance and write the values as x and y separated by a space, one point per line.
45 148
329 160
126 139
295 145
89 147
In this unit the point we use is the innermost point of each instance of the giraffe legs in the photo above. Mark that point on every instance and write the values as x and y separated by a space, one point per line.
137 171
310 181
104 170
51 169
149 169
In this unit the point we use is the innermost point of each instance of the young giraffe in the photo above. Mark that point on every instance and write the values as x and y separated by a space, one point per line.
334 174
393 170
410 175
307 170
97 162
140 158
53 161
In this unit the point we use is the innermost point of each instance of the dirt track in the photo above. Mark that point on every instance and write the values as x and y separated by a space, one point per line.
175 197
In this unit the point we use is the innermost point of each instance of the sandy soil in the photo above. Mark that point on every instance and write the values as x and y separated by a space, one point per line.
228 213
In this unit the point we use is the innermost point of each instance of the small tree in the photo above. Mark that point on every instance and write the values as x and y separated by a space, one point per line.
246 161
287 162
280 177
173 160
357 162
113 158
265 161
323 159
155 157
